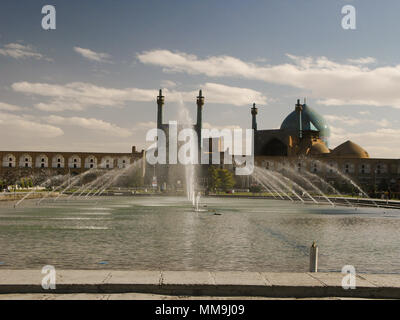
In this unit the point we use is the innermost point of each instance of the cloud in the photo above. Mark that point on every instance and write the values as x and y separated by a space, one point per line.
366 60
25 126
91 124
20 51
80 95
331 82
9 107
92 55
168 84
351 121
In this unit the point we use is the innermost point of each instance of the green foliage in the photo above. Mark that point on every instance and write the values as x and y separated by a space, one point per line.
255 188
214 179
227 179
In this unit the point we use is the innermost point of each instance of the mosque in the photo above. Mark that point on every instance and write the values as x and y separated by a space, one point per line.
301 142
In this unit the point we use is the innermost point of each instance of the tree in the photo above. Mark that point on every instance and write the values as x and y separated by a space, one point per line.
227 179
214 179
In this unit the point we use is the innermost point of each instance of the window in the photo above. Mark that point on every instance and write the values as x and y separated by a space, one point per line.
58 165
75 166
75 160
26 165
91 166
58 160
42 159
10 159
26 160
91 160
42 165
10 165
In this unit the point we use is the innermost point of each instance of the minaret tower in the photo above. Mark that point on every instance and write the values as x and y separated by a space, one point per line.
199 123
299 109
160 103
254 112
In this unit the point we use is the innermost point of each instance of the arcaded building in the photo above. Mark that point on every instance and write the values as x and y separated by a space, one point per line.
21 164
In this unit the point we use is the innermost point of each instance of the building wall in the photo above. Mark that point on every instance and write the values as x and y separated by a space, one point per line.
366 171
17 164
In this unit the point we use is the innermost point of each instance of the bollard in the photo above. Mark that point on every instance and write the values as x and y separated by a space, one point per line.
314 258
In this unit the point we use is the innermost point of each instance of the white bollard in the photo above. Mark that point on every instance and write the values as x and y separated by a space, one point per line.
314 258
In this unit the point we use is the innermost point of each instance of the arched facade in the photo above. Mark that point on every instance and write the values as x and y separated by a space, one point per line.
42 161
123 162
274 147
9 161
58 161
90 162
74 162
25 161
107 162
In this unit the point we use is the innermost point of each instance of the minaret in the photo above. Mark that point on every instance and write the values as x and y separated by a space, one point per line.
160 103
254 112
299 109
199 123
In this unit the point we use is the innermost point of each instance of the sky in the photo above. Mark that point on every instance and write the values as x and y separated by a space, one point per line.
91 84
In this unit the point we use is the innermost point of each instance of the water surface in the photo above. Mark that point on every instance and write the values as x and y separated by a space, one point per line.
164 233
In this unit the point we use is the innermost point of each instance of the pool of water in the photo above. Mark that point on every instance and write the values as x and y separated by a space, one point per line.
155 233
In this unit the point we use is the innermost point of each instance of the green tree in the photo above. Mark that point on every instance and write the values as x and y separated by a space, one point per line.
227 179
214 179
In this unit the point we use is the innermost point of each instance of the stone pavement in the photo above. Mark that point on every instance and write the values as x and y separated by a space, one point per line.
110 284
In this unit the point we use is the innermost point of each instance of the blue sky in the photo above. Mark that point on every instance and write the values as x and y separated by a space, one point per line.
91 83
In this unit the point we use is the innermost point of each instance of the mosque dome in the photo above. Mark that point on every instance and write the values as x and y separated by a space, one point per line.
311 121
318 148
349 149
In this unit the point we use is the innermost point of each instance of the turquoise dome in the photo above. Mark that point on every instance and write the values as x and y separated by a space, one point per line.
311 121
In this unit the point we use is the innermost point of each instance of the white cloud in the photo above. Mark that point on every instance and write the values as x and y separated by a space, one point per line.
79 95
352 121
91 124
20 51
168 84
331 82
9 107
25 126
366 60
92 55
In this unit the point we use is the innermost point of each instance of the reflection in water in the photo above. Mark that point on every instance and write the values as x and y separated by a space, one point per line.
164 233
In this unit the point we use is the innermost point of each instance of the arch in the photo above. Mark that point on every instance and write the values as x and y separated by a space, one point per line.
364 168
274 147
90 162
315 167
380 168
331 167
25 161
9 161
348 167
74 162
58 161
42 161
107 162
123 162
